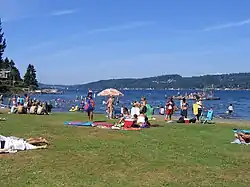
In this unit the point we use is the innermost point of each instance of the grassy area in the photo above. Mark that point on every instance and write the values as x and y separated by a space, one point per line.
173 155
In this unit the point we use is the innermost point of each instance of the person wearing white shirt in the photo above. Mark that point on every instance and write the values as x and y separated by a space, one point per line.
161 110
135 110
230 109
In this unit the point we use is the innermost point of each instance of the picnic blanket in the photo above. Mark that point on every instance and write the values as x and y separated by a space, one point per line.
240 130
78 123
103 124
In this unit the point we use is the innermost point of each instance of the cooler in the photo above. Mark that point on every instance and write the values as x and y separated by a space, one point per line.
186 120
128 123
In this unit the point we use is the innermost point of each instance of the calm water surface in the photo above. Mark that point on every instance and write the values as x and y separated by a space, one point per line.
239 99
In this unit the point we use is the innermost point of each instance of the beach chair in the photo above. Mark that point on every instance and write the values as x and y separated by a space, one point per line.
209 117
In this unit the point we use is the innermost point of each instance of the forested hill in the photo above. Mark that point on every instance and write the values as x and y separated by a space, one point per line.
233 80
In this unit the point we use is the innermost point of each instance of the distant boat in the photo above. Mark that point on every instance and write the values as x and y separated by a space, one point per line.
212 98
47 91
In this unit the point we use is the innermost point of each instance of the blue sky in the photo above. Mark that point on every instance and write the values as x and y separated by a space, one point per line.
79 41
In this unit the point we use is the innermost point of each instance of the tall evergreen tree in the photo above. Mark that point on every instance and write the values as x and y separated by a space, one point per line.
15 76
30 77
2 43
6 63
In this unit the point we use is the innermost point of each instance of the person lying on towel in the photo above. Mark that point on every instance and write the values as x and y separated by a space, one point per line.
243 137
13 144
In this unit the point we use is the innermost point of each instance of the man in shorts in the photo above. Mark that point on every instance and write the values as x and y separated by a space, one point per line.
169 109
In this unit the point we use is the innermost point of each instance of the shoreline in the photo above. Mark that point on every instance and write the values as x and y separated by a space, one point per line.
161 118
216 120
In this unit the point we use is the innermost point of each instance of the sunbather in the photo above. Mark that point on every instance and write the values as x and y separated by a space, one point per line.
14 144
243 137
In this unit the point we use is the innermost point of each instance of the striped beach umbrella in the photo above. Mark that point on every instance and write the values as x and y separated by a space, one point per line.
110 92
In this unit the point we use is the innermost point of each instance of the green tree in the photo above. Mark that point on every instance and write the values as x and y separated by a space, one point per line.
29 78
6 63
2 43
15 76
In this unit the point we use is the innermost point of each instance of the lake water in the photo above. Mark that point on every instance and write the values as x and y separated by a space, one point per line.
239 99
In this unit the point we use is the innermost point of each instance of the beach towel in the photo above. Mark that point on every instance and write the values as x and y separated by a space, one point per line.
105 124
78 123
239 130
131 129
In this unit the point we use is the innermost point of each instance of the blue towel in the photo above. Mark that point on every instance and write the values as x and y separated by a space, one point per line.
78 123
239 130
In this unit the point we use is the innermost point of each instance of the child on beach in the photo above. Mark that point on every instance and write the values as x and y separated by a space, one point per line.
161 110
169 109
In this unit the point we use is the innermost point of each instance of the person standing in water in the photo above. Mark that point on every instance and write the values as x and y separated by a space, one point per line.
230 109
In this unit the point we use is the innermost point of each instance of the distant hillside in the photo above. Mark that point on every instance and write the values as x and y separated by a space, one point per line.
233 80
41 86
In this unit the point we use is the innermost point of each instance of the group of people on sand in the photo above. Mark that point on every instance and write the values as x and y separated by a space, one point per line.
26 105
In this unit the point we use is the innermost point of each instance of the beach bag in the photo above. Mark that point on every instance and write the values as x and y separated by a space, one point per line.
90 105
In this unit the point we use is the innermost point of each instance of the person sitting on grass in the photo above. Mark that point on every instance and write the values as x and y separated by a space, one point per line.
142 120
135 108
33 109
14 144
21 109
125 115
45 108
40 109
243 137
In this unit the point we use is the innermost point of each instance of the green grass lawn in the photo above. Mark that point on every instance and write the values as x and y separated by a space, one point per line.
173 155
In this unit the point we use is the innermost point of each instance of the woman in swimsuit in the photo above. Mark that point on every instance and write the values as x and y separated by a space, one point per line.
110 107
